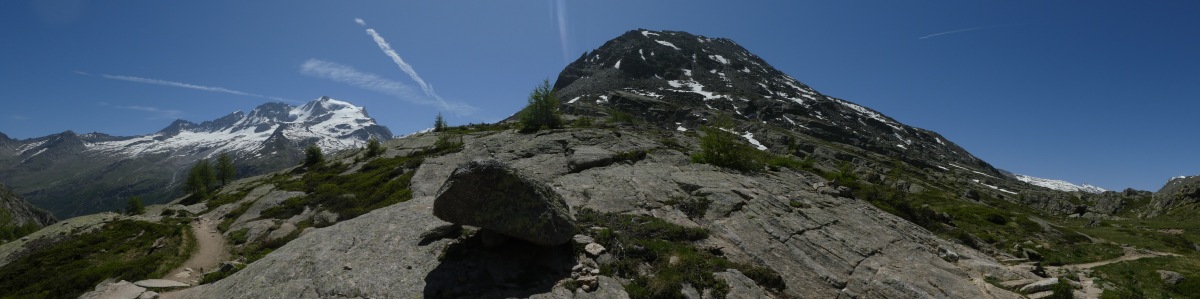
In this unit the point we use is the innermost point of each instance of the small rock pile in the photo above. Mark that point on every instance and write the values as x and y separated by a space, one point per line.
586 273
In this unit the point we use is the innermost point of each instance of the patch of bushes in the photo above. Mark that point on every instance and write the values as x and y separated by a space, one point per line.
13 232
721 148
380 182
122 249
669 253
620 117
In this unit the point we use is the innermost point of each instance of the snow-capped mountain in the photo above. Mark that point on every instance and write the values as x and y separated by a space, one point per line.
73 174
1059 185
679 80
330 124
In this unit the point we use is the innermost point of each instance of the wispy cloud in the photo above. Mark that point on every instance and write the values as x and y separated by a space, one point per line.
157 113
349 75
17 117
188 86
360 22
970 29
559 9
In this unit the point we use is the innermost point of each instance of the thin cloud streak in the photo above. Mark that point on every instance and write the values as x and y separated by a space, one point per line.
348 75
969 29
190 86
560 11
387 50
161 113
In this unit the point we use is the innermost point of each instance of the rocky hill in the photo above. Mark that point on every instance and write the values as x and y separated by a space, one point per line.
1179 195
18 217
73 174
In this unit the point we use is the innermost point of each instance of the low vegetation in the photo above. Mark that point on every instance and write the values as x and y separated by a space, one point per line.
123 250
378 183
722 148
658 257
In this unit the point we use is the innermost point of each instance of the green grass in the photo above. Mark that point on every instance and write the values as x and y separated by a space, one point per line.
637 240
1139 279
120 250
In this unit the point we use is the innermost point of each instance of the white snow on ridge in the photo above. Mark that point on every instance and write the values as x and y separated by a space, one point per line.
750 137
1058 184
719 58
694 87
618 65
665 43
330 122
995 187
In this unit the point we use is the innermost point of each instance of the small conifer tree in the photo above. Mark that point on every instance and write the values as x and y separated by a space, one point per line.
542 111
134 206
225 170
313 156
374 148
439 123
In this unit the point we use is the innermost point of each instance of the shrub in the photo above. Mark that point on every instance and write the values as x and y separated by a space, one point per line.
134 206
721 148
542 111
374 148
1062 290
313 156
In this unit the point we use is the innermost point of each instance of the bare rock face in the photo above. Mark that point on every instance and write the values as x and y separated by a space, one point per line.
1177 192
493 196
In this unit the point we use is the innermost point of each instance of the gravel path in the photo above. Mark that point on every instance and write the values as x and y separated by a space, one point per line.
208 256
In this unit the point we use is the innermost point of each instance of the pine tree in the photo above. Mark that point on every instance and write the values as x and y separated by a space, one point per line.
313 156
374 148
201 178
134 206
225 170
439 123
542 111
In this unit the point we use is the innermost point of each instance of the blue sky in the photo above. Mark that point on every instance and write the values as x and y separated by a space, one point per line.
1102 92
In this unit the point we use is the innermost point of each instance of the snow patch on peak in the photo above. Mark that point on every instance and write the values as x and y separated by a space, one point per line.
1059 185
666 43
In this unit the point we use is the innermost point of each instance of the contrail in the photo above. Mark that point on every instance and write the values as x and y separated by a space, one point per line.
969 29
368 81
387 49
188 86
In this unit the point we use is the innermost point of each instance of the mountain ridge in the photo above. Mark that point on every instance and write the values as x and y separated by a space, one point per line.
55 170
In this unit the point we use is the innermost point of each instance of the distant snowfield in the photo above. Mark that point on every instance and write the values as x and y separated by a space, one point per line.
330 122
1058 184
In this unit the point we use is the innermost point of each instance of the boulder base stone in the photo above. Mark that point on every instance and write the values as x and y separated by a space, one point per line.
493 196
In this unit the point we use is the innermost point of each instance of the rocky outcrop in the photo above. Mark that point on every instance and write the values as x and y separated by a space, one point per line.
1179 191
493 196
16 212
832 246
1170 277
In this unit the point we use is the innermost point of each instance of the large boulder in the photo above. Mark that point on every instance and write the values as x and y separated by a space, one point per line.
494 196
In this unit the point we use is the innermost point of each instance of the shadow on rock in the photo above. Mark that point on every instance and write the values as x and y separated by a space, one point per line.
489 265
